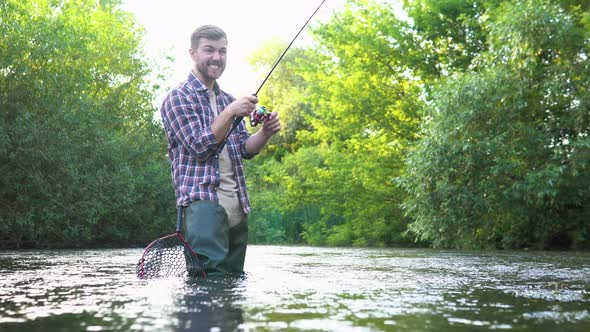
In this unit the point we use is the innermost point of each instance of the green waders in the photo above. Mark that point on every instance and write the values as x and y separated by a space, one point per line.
219 247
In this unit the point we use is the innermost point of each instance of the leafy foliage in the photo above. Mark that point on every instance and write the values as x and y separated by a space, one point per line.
466 119
458 123
496 165
82 160
360 114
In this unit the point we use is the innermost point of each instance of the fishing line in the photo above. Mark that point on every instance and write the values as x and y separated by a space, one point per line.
288 47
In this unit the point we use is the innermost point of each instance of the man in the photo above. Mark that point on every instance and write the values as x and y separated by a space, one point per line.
209 181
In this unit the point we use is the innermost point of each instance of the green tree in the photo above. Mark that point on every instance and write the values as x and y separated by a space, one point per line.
366 102
82 160
497 87
274 220
505 147
359 115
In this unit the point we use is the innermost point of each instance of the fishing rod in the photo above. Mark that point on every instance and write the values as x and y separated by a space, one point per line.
260 114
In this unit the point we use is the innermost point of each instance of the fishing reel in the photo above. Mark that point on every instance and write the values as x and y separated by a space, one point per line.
259 115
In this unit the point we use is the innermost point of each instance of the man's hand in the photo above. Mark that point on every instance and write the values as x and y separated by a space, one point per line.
242 107
238 108
272 125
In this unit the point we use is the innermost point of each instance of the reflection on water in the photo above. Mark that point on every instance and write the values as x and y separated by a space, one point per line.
301 289
211 303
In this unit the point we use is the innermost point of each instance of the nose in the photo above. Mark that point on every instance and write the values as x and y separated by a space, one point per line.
217 56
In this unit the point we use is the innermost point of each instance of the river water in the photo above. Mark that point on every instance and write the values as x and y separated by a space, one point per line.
301 289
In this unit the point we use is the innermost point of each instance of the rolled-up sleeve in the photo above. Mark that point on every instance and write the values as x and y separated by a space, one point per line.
243 137
188 125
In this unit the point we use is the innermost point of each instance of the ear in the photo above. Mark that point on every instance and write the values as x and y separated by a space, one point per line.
193 53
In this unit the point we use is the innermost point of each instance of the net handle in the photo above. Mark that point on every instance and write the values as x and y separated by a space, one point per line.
179 219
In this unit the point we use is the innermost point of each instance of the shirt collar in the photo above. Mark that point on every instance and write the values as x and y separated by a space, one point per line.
196 83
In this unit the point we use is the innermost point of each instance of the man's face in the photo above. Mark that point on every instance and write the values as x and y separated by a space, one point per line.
209 58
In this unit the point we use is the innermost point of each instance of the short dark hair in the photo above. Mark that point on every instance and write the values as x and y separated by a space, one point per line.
210 32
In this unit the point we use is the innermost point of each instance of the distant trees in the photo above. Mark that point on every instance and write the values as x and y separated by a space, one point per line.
359 112
465 123
460 124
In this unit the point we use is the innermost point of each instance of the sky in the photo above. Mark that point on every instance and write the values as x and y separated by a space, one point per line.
248 25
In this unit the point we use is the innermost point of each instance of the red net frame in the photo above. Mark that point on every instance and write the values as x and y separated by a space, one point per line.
170 256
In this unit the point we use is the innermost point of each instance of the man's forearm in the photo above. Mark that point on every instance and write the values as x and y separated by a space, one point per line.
256 142
238 108
221 126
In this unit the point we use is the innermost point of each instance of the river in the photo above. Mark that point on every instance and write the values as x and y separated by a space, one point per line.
301 289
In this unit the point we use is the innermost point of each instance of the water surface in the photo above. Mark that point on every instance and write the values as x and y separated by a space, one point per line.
301 289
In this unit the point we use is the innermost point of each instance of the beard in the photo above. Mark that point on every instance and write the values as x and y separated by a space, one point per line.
211 71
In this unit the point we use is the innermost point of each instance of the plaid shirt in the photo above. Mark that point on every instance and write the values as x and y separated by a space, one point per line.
187 116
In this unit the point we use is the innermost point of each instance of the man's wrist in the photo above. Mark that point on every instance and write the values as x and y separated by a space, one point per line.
266 135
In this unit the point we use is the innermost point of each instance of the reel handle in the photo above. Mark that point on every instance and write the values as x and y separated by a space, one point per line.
259 115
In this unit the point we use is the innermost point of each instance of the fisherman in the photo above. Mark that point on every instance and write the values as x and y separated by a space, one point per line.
207 168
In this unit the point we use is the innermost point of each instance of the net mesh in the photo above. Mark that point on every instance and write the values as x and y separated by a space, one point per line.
169 256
